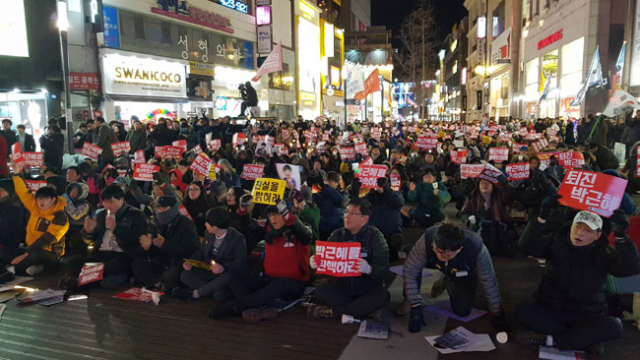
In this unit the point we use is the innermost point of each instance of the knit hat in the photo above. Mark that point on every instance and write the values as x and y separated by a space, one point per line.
166 201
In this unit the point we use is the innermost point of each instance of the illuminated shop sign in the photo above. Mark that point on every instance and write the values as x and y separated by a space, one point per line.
555 37
130 75
235 5
180 10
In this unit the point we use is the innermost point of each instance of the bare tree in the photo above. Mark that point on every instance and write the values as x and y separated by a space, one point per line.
417 60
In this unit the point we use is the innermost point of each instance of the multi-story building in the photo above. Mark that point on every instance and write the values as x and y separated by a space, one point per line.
456 72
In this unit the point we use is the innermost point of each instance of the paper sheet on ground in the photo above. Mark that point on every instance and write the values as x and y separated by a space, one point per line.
481 342
444 308
399 270
551 353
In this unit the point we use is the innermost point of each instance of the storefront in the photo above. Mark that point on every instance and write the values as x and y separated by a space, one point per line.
332 45
27 108
554 62
309 58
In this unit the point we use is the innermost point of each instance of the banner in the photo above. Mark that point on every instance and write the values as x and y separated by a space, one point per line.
570 159
33 159
173 151
587 190
252 172
197 149
238 139
545 158
347 153
120 147
91 151
396 182
458 156
338 259
499 154
91 272
470 171
369 175
426 142
519 171
144 172
490 174
181 144
34 185
361 148
201 164
372 84
139 157
273 63
311 135
540 145
268 191
215 144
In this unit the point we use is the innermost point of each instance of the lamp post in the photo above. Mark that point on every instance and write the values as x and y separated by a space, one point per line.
63 29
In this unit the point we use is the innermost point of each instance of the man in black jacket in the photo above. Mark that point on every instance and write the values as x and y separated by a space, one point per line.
362 295
27 144
116 232
571 301
172 238
224 250
52 146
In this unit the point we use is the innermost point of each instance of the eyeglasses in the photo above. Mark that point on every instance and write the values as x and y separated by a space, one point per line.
194 189
353 214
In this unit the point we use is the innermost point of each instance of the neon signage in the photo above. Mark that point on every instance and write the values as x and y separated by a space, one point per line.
236 5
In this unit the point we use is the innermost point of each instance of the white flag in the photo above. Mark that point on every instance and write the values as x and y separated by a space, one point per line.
620 103
594 78
273 63
355 82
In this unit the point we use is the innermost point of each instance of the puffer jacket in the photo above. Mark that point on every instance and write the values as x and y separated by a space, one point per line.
77 209
428 203
130 225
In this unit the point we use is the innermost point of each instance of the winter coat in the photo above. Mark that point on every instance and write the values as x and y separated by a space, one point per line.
130 225
385 211
4 153
137 140
605 159
428 203
106 137
53 148
12 223
374 250
576 277
330 201
180 240
77 210
311 216
232 253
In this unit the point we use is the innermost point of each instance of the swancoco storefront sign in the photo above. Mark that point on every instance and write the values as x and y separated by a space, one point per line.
130 75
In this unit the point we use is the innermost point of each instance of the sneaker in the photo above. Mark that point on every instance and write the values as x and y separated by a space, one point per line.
180 294
257 315
403 309
34 270
222 310
438 288
320 311
530 338
113 281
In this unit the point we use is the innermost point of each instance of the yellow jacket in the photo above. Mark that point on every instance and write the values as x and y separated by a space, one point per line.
45 230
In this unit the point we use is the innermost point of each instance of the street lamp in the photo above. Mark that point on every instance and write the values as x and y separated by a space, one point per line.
63 29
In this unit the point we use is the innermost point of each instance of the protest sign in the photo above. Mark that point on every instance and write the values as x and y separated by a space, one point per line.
325 136
367 161
252 172
91 151
144 172
159 151
238 139
545 159
214 169
517 146
588 190
396 182
369 175
570 159
491 174
425 142
338 259
504 137
540 145
91 272
469 171
268 191
119 147
173 151
201 164
361 148
214 144
285 134
136 294
34 185
181 144
524 130
33 159
310 135
139 157
499 154
347 153
519 171
17 159
197 149
458 156
638 163
290 174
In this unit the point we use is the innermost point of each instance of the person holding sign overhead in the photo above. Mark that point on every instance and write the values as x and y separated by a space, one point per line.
362 295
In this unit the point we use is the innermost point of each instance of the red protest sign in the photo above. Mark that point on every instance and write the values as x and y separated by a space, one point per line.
201 164
570 159
517 146
311 135
361 148
638 163
545 159
136 294
369 175
252 172
34 185
120 147
396 182
173 151
159 151
181 144
490 174
91 151
458 156
367 161
469 171
33 159
238 139
139 157
519 171
347 153
17 159
504 137
325 136
197 149
588 190
540 145
184 212
338 259
285 134
91 272
425 142
144 172
499 154
215 144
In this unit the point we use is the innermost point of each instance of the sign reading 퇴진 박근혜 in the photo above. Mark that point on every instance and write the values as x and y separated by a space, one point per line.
338 259
588 190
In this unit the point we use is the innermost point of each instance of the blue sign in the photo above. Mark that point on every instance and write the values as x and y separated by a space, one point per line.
236 5
248 55
111 27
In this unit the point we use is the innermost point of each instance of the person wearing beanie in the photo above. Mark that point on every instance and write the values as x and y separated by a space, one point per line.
223 251
170 238
239 205
286 268
12 222
45 230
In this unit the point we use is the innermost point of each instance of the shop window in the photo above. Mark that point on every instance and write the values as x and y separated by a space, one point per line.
498 20
166 32
138 25
572 63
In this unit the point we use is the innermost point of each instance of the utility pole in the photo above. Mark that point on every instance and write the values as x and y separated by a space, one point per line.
423 68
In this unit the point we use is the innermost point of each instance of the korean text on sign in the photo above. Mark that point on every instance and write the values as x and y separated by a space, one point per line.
144 172
91 272
426 142
361 148
268 191
470 171
119 147
519 171
338 259
571 159
369 175
33 159
34 185
459 156
91 151
587 190
499 154
252 172
347 153
201 164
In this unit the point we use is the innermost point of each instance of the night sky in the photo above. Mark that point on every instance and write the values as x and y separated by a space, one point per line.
392 12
